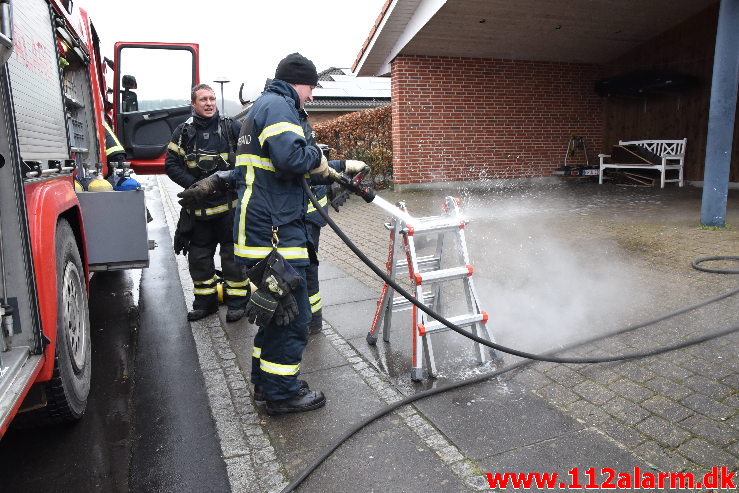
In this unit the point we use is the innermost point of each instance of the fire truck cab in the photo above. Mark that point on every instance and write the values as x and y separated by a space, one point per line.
55 230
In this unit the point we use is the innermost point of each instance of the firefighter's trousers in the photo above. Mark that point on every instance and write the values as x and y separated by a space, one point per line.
311 276
278 350
205 237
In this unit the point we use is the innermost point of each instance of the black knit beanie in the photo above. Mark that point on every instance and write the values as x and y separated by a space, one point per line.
297 69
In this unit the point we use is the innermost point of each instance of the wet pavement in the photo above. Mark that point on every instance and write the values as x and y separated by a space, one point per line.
554 263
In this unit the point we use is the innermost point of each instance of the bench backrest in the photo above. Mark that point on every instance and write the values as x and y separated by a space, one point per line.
660 147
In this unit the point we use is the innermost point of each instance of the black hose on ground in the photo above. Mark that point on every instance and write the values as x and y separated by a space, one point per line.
698 261
297 480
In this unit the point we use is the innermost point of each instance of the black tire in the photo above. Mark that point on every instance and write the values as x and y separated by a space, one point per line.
67 391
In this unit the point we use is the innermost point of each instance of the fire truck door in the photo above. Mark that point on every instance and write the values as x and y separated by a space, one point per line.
152 87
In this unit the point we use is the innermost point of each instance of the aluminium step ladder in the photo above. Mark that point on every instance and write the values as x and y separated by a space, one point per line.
429 272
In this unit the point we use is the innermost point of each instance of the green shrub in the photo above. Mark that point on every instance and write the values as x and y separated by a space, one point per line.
363 135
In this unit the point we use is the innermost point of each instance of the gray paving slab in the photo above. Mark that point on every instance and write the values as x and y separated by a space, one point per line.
551 264
298 438
327 270
320 355
351 319
384 457
580 450
341 290
484 420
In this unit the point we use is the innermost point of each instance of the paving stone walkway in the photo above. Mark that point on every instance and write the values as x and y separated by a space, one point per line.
554 264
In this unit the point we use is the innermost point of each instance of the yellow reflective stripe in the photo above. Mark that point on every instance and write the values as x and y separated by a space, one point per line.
261 252
315 302
278 369
323 201
293 252
248 181
278 128
204 290
113 149
174 147
257 352
207 281
191 163
237 284
237 292
254 160
216 210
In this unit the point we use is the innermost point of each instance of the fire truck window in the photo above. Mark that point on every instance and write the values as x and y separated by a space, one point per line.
153 78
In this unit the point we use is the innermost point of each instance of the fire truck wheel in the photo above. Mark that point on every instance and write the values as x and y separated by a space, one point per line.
69 387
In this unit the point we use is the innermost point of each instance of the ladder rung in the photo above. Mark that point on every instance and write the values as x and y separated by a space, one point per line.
435 225
423 263
443 274
401 304
459 320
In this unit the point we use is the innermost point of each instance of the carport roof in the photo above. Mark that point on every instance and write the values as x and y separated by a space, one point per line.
579 31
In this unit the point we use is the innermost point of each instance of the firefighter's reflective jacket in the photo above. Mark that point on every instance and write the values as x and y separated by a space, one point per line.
113 149
199 147
312 215
273 154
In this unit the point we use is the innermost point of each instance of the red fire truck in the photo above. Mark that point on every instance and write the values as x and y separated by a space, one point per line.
54 99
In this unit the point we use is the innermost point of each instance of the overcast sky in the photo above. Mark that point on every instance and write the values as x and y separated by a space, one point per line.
241 40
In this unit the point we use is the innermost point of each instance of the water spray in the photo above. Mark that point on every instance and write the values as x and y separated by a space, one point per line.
368 194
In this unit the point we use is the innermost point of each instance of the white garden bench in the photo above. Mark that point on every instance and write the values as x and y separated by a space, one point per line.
667 155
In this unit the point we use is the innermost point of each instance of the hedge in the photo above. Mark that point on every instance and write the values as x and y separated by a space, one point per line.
363 135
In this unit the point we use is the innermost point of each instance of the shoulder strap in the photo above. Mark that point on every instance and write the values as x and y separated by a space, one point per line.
226 127
183 130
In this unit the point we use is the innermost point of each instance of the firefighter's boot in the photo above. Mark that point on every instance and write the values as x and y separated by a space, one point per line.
198 313
305 400
259 399
316 322
234 314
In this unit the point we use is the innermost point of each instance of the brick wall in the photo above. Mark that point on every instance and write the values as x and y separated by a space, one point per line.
464 119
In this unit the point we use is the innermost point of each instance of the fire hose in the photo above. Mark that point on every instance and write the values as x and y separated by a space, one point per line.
354 184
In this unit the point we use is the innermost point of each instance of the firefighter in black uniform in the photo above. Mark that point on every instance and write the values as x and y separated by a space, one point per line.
114 151
273 155
201 146
314 221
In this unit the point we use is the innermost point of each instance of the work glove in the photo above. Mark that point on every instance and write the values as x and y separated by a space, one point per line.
352 167
280 277
198 191
261 306
323 170
277 279
182 234
286 311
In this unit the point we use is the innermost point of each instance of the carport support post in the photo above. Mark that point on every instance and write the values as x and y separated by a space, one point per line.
721 116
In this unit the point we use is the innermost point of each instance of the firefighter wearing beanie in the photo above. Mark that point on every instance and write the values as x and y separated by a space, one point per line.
273 155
